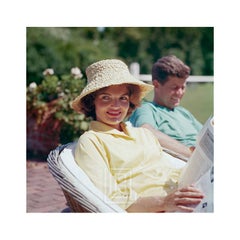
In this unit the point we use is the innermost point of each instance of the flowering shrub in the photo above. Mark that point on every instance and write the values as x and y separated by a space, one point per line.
52 99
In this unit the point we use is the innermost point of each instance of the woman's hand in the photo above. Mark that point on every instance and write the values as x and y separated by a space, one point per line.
182 200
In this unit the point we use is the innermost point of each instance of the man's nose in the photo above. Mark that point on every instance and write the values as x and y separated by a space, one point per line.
180 91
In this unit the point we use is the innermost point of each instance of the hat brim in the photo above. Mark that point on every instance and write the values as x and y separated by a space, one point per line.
94 86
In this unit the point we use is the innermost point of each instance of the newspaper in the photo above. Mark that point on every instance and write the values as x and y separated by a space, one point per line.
199 168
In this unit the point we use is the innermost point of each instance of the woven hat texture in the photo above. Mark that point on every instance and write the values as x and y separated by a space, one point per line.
106 73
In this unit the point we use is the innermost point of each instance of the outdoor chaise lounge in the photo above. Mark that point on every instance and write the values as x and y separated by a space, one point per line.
80 193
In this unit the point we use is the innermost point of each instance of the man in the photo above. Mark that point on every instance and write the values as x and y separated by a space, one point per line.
175 127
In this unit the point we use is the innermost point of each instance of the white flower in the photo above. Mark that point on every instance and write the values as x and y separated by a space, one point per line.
32 86
61 94
48 71
76 72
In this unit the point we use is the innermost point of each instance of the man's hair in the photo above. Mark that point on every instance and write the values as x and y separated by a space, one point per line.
169 66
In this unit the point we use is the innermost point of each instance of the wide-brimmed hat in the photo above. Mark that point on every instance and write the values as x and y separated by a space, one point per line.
106 73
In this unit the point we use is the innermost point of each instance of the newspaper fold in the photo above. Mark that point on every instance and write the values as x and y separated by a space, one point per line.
199 168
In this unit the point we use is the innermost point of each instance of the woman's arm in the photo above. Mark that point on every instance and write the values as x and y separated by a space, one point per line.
181 200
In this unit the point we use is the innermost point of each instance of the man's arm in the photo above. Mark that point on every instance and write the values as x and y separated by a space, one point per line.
169 143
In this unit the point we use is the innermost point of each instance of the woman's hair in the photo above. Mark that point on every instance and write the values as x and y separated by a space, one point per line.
88 105
169 66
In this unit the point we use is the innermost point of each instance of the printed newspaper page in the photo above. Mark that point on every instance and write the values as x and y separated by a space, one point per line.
199 168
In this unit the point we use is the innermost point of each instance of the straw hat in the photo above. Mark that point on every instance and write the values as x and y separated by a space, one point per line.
105 73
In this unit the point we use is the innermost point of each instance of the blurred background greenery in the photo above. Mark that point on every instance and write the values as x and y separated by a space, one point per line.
62 48
199 100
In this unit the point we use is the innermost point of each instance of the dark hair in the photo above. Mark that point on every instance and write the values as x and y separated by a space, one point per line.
169 66
88 106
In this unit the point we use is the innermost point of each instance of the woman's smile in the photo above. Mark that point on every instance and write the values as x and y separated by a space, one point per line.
112 104
114 113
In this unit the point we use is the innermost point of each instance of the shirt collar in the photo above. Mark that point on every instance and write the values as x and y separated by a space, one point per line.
101 127
163 107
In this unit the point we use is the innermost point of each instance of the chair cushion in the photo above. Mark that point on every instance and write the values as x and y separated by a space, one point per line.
82 182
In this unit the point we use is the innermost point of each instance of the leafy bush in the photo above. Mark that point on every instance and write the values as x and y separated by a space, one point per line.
58 92
63 47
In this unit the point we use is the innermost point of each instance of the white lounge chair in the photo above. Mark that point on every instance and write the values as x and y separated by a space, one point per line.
79 191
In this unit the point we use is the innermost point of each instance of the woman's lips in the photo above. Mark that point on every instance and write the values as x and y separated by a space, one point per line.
114 113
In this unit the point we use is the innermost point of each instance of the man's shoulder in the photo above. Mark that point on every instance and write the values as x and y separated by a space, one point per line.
186 114
142 114
182 110
145 108
146 105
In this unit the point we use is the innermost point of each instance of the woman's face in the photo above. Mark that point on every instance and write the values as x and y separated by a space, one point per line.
111 105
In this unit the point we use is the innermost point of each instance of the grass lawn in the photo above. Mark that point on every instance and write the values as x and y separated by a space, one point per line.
198 99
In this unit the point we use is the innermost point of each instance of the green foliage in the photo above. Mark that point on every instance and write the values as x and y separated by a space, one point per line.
58 92
194 45
61 48
199 100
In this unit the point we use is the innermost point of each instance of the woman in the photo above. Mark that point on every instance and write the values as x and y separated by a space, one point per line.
126 163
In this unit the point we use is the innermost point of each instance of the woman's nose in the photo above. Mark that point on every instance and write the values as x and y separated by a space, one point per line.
115 103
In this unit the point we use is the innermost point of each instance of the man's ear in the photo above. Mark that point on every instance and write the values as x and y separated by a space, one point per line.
155 83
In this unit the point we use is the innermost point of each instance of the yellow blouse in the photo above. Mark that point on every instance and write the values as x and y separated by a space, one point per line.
125 165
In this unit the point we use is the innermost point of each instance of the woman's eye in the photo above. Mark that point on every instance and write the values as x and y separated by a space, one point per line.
124 98
106 98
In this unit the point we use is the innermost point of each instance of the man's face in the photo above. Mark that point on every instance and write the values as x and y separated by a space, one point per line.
170 94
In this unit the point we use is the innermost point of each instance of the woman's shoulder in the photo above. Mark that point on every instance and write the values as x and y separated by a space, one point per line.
88 136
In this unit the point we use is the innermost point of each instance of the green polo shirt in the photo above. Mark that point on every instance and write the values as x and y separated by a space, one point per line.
178 123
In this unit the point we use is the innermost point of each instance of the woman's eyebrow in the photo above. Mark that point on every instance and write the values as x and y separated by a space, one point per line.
105 93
